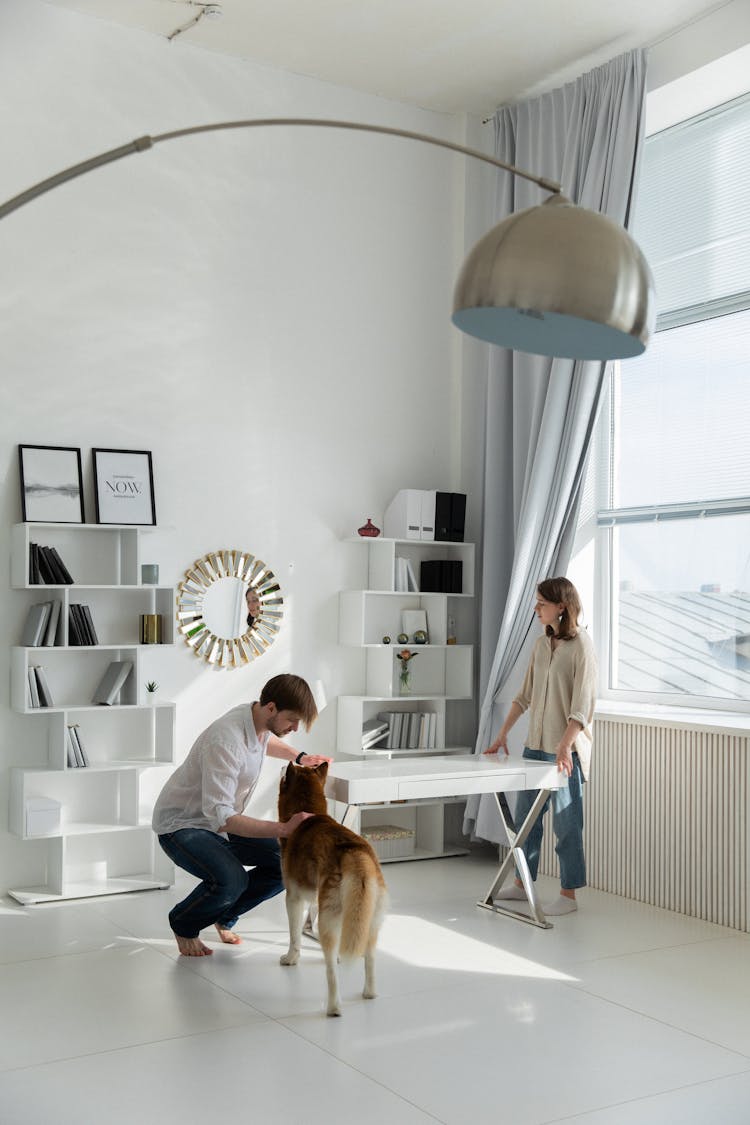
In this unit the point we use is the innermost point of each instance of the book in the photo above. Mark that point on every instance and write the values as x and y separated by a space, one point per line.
73 628
373 731
401 577
70 750
89 624
50 632
411 578
36 624
112 682
34 576
59 566
46 573
45 695
379 740
33 688
80 749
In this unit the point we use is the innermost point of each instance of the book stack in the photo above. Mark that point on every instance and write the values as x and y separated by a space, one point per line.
409 730
374 732
74 748
41 626
112 682
81 629
404 578
441 576
39 693
46 566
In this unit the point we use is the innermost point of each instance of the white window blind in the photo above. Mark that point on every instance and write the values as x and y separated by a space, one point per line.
693 214
682 424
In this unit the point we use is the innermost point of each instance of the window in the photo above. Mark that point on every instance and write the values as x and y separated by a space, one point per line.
674 520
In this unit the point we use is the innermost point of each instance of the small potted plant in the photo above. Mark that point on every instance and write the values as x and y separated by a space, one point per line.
151 689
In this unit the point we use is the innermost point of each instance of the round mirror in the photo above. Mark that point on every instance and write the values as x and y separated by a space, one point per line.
229 608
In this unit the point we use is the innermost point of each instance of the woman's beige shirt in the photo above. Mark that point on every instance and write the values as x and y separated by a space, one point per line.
560 686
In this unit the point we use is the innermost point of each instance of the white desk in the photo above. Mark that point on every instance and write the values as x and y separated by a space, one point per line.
394 779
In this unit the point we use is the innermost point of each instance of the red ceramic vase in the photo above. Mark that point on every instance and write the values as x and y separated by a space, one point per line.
368 530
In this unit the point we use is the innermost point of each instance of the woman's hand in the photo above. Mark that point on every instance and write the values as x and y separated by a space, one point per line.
500 743
564 756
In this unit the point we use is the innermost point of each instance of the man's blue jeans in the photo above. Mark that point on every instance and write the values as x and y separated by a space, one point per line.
567 824
226 889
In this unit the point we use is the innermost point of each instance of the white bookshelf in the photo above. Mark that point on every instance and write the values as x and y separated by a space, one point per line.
102 843
441 675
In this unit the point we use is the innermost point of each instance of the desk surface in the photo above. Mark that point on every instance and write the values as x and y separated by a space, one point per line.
400 779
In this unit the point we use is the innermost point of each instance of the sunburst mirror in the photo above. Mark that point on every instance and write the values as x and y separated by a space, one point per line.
229 608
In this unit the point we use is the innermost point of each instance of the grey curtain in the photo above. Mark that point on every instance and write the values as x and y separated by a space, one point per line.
540 411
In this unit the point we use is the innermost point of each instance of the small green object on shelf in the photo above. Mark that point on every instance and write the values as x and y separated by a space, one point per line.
402 639
386 640
152 686
420 637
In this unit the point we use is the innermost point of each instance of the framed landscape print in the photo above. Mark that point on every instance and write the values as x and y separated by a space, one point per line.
51 484
124 487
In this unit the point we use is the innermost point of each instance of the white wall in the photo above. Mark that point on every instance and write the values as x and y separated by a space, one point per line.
267 312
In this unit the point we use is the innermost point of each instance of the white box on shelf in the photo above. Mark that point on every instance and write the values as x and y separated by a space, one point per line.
403 516
43 816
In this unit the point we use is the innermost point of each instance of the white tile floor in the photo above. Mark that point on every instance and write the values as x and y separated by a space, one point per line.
620 1015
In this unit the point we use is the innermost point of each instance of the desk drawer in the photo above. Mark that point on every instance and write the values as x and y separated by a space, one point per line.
455 786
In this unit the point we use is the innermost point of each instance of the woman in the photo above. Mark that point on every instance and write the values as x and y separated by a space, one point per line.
559 692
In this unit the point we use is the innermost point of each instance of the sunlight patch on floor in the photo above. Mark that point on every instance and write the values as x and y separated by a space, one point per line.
427 945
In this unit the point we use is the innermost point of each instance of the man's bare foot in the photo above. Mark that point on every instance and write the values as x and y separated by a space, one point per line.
192 947
228 936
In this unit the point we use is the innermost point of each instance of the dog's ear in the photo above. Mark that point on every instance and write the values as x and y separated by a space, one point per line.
322 770
287 775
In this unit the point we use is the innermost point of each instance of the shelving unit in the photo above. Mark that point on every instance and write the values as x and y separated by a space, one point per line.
103 843
441 676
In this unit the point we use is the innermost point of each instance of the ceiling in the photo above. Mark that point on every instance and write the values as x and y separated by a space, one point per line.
448 55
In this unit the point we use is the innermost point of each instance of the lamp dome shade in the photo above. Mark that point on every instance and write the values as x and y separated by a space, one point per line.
558 280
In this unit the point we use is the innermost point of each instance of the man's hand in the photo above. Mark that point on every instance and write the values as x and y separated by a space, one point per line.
286 828
310 761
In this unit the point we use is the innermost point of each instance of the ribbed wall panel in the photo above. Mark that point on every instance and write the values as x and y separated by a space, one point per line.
666 820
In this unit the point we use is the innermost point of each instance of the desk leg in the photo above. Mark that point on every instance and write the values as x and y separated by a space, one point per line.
517 859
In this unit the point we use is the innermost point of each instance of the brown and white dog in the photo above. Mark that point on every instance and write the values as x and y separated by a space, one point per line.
323 860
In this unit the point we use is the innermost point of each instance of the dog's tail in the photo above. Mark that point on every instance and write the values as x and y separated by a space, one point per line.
363 905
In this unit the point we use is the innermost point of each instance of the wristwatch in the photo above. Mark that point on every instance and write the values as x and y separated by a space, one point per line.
300 756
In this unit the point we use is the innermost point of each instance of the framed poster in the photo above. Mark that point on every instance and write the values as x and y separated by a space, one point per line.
124 487
51 484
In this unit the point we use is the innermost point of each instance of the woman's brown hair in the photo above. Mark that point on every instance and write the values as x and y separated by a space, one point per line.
563 592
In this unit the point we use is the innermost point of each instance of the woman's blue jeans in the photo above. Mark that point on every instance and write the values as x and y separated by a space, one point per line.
567 824
226 889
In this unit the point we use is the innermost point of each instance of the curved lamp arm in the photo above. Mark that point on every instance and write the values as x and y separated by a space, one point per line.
555 279
140 144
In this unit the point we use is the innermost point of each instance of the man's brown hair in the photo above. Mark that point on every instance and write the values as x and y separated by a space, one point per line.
291 693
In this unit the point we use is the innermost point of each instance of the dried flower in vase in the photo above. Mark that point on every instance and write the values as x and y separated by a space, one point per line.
403 658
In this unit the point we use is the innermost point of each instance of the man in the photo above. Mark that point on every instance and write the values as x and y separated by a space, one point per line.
199 816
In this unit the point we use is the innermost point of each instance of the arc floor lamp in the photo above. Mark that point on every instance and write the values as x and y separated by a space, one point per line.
555 279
